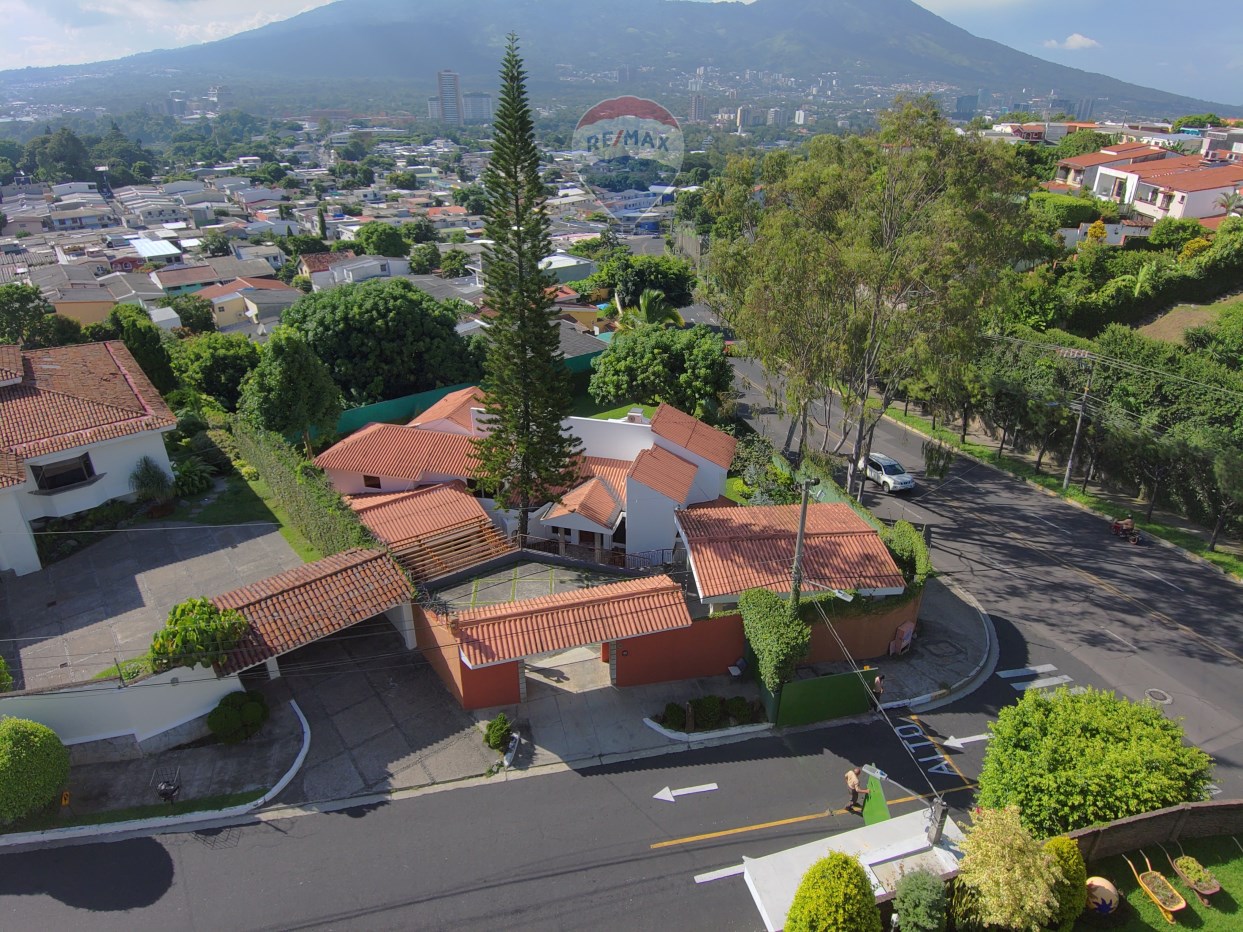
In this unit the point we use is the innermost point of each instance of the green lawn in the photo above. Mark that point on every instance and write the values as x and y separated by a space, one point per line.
54 819
1220 855
737 490
1052 480
586 406
243 501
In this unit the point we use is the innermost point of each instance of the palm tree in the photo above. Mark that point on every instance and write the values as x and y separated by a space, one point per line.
653 310
1231 203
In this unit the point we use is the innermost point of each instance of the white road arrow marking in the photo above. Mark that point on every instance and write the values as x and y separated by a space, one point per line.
958 743
668 795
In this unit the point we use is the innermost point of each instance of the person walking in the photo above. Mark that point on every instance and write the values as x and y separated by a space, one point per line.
878 689
856 789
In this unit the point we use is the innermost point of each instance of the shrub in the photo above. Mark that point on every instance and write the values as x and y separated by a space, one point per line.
779 638
1008 875
238 716
190 422
497 734
204 446
707 712
674 717
6 678
149 482
196 633
909 551
1071 891
920 902
193 477
34 766
737 708
834 894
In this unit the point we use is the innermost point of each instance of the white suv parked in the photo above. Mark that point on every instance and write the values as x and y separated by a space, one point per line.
888 472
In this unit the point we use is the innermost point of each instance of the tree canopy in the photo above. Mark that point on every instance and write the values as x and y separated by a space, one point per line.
290 391
196 313
34 766
685 368
381 239
216 364
196 633
22 309
383 339
1070 760
1006 878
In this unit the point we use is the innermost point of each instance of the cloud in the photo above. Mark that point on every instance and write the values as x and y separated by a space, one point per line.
1074 42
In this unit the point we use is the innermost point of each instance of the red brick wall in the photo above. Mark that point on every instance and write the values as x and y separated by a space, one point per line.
473 689
866 636
706 648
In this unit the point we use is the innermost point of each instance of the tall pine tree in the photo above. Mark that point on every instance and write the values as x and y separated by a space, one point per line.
525 452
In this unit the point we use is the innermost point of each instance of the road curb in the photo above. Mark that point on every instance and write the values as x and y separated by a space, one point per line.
961 687
1168 544
160 824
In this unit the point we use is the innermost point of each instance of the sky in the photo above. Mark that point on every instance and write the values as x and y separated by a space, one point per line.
1193 48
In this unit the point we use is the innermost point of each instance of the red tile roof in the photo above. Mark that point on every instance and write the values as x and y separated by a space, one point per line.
454 407
400 516
193 275
664 472
1206 179
302 605
497 633
10 362
601 497
694 435
400 452
750 547
323 261
72 396
242 284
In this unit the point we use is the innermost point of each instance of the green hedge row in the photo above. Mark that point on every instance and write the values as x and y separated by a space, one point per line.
302 491
778 637
909 551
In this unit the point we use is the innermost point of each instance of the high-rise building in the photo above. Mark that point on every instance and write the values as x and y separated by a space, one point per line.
777 117
966 106
433 108
1085 108
222 97
744 117
625 74
449 89
477 107
699 108
695 84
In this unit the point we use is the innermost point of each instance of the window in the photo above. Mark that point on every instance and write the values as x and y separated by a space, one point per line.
371 482
64 473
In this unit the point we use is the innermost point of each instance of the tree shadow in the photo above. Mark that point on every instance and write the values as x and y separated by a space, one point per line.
104 877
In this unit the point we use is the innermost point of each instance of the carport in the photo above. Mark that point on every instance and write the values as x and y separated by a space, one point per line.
312 601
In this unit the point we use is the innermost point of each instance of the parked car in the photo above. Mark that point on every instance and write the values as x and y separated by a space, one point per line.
888 472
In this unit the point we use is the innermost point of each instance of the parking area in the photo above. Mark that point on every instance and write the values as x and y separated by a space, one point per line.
380 718
74 619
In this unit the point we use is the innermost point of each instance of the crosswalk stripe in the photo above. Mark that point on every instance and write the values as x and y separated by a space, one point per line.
1041 683
1027 671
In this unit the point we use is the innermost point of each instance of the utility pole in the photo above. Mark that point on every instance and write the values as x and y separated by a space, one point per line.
796 572
1083 407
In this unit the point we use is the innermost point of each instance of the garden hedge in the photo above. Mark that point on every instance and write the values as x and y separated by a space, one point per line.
34 766
834 894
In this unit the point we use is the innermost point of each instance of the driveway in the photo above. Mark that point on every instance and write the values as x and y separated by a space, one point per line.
74 619
380 718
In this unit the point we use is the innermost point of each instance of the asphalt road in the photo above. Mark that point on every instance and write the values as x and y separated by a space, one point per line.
564 851
1065 594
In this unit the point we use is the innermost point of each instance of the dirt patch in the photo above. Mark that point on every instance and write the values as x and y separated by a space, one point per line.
1171 325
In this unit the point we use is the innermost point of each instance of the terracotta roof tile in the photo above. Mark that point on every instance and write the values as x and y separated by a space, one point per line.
664 472
601 497
749 547
242 284
694 435
71 396
454 407
609 612
10 362
323 261
311 601
402 516
401 452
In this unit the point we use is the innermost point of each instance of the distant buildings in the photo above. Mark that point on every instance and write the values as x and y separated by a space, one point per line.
477 107
449 89
699 108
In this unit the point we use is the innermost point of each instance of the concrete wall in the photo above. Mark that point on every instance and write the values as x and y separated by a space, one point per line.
473 689
17 545
85 312
865 635
113 461
616 440
142 710
649 519
351 483
706 648
1190 820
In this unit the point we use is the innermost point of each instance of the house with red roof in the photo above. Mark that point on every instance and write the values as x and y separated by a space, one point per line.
1185 186
74 422
1080 171
634 473
241 301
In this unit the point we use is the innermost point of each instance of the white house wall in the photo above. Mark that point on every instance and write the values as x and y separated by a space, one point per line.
617 440
351 483
113 461
649 519
144 709
17 546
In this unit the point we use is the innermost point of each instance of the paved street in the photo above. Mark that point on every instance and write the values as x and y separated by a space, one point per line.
1065 594
566 851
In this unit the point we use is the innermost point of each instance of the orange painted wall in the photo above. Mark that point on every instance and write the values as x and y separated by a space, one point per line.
706 648
865 636
473 689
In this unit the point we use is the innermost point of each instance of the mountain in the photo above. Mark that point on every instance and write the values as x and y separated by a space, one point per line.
402 43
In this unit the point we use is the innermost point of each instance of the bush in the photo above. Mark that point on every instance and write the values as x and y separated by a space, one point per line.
149 482
238 716
193 477
675 717
312 505
34 766
6 678
1071 891
909 551
707 712
196 633
778 638
920 902
737 708
498 732
834 894
204 446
